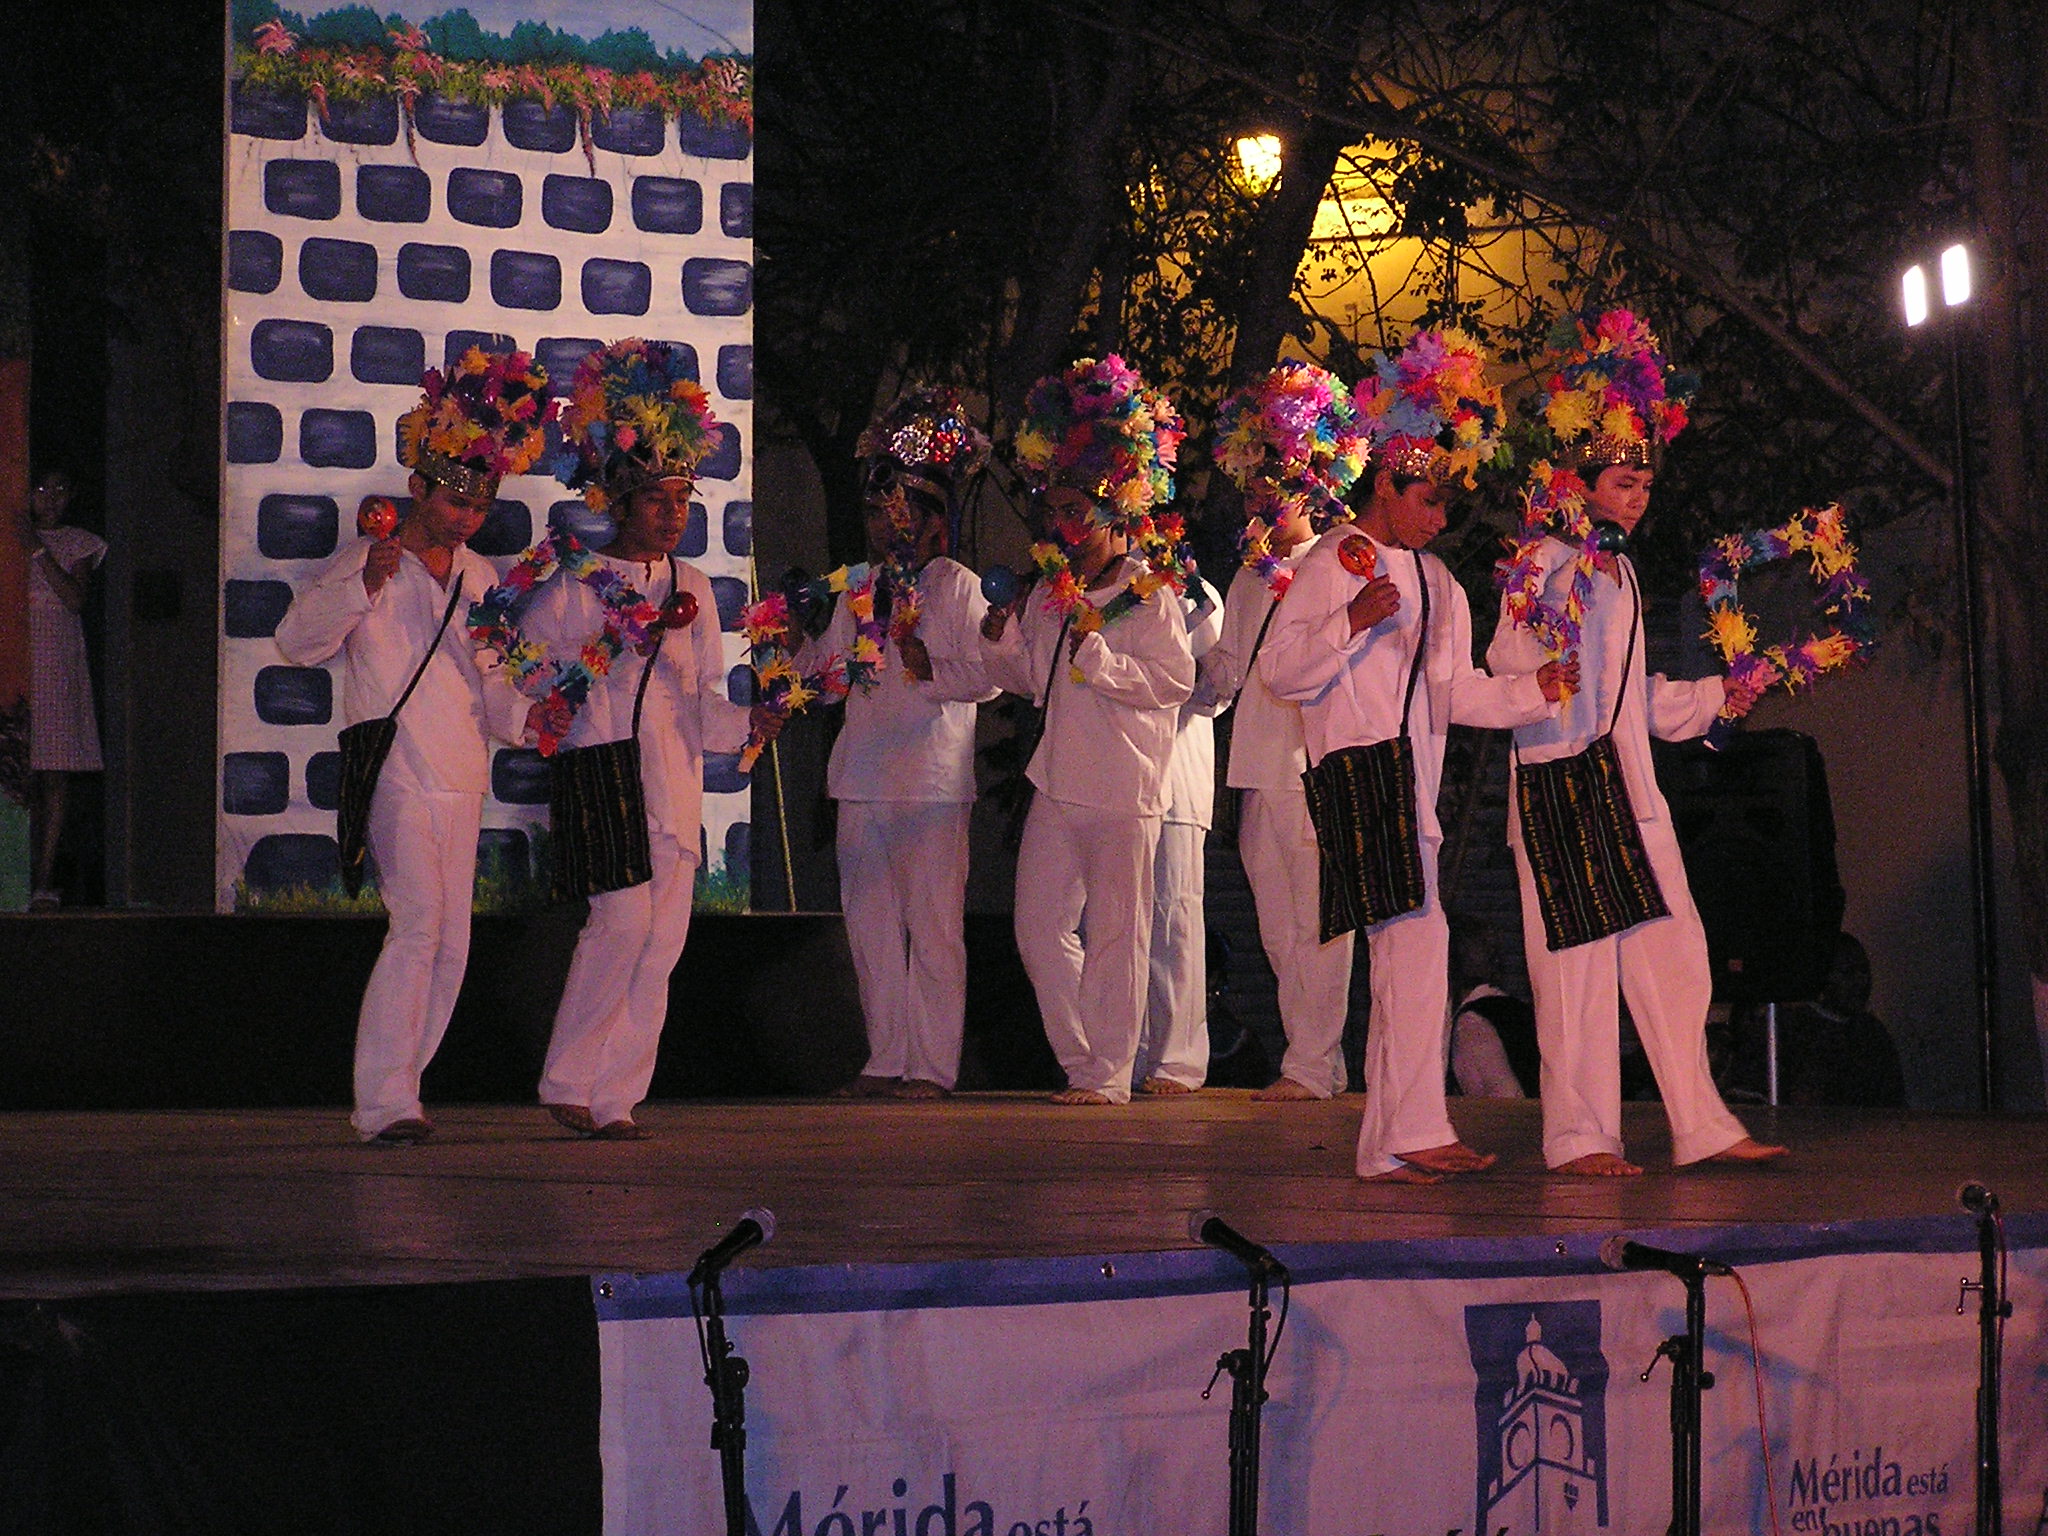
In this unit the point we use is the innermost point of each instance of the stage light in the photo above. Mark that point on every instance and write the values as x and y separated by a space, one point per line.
1955 275
1915 286
1258 160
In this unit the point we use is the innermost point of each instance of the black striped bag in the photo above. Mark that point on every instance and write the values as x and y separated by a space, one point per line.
1592 875
597 805
1361 801
364 746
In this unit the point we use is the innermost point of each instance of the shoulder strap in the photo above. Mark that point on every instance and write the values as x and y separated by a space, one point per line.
647 672
1421 643
1635 624
432 646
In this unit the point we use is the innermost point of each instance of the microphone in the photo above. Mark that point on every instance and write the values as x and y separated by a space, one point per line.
1619 1253
754 1228
1977 1200
1211 1230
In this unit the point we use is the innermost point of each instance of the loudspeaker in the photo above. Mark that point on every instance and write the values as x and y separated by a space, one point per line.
1758 834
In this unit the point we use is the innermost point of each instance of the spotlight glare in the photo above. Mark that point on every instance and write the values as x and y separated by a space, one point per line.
1915 286
1955 275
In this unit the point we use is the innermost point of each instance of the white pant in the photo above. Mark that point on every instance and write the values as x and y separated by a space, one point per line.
903 887
1082 871
1661 968
608 1027
1175 1042
1277 843
1410 957
424 843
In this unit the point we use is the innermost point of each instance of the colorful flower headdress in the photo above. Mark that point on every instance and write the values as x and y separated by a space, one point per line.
636 416
1292 442
927 429
1430 410
1614 397
479 422
1098 428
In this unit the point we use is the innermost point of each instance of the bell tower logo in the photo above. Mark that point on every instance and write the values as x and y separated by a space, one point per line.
1541 1416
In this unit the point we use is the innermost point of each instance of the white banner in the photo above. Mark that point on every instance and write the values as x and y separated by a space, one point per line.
1417 1389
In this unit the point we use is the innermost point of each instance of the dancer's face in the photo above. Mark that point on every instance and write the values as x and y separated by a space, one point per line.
1620 493
1416 513
444 517
656 518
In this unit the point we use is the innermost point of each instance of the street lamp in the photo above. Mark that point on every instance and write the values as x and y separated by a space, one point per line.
1956 287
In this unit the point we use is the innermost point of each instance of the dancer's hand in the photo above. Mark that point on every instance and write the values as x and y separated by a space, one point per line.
1377 601
1559 679
765 723
995 623
381 566
917 660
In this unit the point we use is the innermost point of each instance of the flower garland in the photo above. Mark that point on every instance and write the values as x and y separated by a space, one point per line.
780 689
718 90
1256 547
1843 602
563 684
1555 508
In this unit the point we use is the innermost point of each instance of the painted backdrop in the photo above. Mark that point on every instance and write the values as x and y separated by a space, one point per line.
542 174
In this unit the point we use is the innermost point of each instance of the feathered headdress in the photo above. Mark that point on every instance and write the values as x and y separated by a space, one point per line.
1099 428
1430 409
1613 396
1292 442
927 429
479 422
636 416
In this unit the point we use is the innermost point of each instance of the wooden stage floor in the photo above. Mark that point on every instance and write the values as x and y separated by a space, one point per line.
264 1199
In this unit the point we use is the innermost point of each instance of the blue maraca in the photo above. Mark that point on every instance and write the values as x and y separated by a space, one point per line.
1001 586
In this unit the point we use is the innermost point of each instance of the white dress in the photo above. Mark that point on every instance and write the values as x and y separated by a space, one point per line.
63 735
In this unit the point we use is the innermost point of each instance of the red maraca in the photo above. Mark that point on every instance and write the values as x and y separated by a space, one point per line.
678 612
376 518
1355 554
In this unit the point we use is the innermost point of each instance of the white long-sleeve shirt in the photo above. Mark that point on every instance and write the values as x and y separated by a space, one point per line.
686 713
1652 706
1109 734
1351 687
905 739
1191 770
1266 750
444 731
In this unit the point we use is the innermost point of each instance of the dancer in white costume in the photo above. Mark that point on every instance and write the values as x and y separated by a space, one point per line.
1292 443
601 1054
1348 640
386 604
1100 647
902 769
1173 1050
1660 966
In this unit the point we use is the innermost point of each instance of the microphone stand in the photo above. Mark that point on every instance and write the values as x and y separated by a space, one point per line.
1992 1311
1247 1368
1690 1378
725 1373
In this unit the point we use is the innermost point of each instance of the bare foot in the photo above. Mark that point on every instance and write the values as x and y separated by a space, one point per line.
1748 1150
1080 1096
1163 1087
865 1087
1403 1175
1599 1165
1455 1158
1284 1091
915 1088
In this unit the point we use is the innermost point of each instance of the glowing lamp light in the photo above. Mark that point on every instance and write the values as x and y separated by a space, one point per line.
1258 160
1916 294
1955 275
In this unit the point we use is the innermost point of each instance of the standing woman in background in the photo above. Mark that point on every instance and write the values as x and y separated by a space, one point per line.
63 736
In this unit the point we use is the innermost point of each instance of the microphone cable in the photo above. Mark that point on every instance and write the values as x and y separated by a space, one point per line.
1756 1374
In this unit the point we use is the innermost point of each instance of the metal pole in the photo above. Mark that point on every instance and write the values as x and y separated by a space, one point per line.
1982 896
1771 1054
1992 1310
